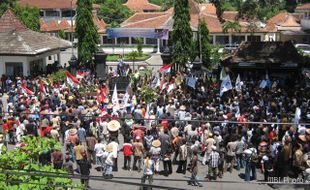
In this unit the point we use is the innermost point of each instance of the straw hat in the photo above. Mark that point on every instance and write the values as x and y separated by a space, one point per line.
302 138
113 125
109 148
73 131
156 143
308 131
182 108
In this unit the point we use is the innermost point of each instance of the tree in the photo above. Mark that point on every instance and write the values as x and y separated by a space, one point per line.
181 34
205 44
27 14
230 26
62 34
133 55
219 9
26 160
114 11
87 33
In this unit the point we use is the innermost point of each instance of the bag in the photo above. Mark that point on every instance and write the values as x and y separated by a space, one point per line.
254 158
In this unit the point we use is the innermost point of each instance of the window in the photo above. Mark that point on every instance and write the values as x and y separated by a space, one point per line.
52 13
67 13
123 40
106 40
151 41
254 38
41 14
222 40
237 39
14 68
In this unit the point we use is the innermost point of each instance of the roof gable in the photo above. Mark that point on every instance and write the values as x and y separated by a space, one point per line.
141 5
9 22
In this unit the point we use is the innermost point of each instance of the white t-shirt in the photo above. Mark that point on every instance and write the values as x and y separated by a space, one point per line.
115 148
148 168
99 149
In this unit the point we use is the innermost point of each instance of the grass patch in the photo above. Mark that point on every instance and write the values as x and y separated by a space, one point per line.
127 58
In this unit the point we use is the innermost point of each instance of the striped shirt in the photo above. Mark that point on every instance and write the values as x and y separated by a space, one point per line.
214 159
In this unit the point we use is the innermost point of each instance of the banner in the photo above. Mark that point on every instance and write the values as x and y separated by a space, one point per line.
191 81
138 33
226 85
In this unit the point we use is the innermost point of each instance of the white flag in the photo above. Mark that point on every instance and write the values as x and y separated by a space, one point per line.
263 84
297 115
126 96
238 83
226 85
115 101
223 74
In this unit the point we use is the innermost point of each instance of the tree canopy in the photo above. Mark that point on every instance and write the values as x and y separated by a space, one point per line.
205 44
86 32
181 34
113 12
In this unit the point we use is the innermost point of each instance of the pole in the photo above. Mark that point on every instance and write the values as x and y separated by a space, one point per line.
72 34
199 33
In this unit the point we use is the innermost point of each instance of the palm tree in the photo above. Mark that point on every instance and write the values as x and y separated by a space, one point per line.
230 26
219 9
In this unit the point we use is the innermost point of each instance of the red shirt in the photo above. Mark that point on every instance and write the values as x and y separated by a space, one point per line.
4 128
138 132
127 149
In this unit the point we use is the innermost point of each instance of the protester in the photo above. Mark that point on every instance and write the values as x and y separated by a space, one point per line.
148 170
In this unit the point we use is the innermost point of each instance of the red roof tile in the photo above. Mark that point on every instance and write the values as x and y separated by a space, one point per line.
9 22
284 19
141 5
53 4
64 24
304 7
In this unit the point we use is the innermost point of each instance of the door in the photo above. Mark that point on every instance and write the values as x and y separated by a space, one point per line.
14 68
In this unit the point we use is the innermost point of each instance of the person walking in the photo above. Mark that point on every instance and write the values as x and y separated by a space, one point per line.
109 161
79 151
91 142
127 150
213 164
251 159
85 167
138 152
99 151
182 158
194 170
155 152
148 171
57 158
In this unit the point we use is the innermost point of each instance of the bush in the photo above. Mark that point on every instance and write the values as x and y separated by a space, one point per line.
58 76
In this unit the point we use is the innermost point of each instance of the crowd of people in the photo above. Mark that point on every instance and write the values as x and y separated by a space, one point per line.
259 129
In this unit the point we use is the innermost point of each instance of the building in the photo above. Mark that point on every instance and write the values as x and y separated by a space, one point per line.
304 14
23 51
255 59
142 6
56 15
205 12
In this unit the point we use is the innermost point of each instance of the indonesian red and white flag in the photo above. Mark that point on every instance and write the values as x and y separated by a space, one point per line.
81 74
165 68
71 79
26 90
42 87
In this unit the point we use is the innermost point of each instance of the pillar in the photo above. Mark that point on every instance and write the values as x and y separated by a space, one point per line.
158 46
59 59
246 38
214 39
230 39
26 68
115 41
144 41
130 40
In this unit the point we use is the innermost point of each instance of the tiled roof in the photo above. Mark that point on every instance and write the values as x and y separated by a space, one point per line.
141 5
53 4
54 26
16 39
160 20
284 19
10 22
303 7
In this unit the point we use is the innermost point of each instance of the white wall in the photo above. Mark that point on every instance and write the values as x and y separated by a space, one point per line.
20 59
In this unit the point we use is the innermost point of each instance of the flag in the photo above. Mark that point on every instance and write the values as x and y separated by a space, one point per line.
126 96
42 87
165 68
115 101
26 90
238 84
81 74
263 84
223 74
71 79
226 85
170 87
297 115
191 81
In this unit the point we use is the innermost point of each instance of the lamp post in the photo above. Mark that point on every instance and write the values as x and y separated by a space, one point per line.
73 59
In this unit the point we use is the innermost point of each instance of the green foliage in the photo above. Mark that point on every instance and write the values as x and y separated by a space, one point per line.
181 34
219 9
26 159
148 94
205 44
139 46
229 26
86 32
62 34
133 55
113 11
215 56
28 15
58 76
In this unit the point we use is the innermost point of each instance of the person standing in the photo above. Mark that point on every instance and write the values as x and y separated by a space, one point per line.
99 150
213 163
109 161
155 152
239 150
57 158
91 142
148 171
251 158
194 170
182 158
79 150
127 150
231 155
167 162
85 167
209 143
138 154
114 145
266 164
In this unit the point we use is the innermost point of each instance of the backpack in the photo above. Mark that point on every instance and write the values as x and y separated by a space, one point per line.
254 158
